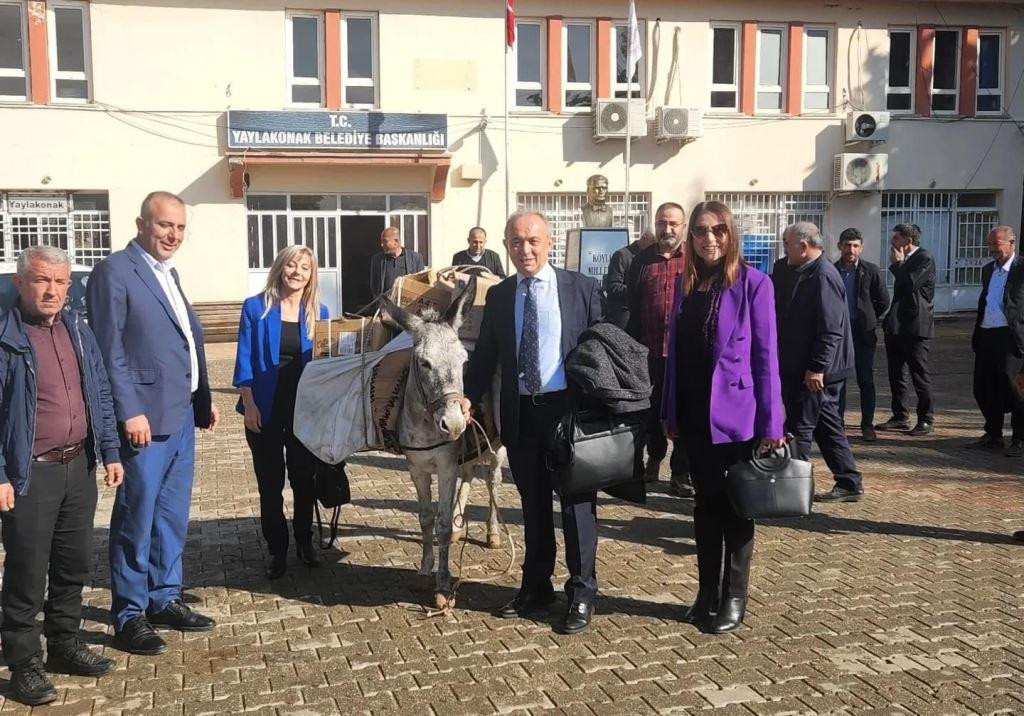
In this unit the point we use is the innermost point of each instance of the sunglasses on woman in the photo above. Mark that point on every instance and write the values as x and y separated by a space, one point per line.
702 232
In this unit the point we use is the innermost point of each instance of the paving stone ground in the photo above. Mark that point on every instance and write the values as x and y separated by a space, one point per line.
908 602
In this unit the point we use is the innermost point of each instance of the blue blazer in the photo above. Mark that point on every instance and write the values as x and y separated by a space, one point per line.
143 347
259 345
581 303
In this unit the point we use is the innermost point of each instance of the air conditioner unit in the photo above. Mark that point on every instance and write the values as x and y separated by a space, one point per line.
867 126
859 172
679 123
610 119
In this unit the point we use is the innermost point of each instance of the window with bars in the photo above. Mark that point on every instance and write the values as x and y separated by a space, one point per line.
78 222
953 229
565 211
761 218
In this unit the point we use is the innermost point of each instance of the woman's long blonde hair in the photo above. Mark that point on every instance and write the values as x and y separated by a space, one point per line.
310 294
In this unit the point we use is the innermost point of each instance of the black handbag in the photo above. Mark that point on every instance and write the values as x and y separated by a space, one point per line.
593 450
772 486
332 491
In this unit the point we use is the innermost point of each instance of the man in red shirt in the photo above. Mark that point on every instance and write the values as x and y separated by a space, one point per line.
651 283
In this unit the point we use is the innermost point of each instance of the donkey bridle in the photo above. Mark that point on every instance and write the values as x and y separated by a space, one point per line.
432 405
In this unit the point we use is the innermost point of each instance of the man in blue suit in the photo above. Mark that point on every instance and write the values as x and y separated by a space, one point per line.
152 345
532 320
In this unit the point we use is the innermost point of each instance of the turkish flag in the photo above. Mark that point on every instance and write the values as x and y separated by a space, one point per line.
510 22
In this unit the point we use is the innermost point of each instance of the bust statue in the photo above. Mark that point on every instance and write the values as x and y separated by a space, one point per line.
596 211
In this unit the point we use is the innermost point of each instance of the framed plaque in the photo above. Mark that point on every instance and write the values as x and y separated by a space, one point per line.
589 250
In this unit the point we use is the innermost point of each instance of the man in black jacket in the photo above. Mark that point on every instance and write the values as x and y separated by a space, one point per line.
616 289
998 342
478 255
816 358
909 327
392 261
867 300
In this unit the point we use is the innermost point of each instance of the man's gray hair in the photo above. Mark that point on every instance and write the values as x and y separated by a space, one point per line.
522 214
51 255
807 232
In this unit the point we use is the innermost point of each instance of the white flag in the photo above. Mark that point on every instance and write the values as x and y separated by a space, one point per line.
635 46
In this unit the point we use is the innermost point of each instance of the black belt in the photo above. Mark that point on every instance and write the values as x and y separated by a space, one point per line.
63 455
540 399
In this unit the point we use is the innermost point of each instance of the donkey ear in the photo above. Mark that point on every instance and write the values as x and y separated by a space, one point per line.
406 321
461 306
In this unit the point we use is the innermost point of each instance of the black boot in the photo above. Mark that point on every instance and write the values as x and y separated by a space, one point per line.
730 615
31 685
277 565
703 607
307 555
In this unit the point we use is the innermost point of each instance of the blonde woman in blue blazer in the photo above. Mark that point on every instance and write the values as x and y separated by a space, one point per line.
274 344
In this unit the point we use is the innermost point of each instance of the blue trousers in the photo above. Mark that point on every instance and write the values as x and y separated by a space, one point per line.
149 523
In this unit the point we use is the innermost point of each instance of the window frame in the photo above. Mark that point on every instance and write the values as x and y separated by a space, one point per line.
641 74
8 72
736 58
55 74
579 86
830 78
912 71
783 68
955 92
514 84
1001 89
374 80
290 79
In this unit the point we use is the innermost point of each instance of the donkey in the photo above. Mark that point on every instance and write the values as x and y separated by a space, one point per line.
429 427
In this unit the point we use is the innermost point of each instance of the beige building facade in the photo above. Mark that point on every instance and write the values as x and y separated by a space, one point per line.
103 101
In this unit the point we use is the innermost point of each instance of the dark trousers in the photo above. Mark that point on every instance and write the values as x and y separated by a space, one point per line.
275 452
911 353
657 442
48 534
815 416
995 365
725 541
579 513
864 359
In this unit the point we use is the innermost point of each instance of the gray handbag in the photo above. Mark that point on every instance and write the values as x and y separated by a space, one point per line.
772 486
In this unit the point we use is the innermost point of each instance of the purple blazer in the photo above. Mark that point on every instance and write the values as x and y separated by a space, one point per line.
746 392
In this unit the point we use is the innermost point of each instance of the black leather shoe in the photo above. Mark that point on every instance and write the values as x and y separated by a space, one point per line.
1016 449
652 471
76 658
987 442
1018 535
868 434
31 685
893 425
137 637
922 428
680 486
839 494
730 615
578 617
307 554
527 604
277 566
177 615
703 607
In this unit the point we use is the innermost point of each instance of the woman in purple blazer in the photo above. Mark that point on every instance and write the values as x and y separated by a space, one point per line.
722 389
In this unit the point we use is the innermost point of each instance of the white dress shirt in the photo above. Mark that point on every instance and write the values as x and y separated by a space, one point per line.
162 272
994 316
549 329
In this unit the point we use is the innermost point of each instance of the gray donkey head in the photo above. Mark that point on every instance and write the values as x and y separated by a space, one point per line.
438 358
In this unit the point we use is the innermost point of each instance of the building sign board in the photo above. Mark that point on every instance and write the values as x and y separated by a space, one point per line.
314 131
37 203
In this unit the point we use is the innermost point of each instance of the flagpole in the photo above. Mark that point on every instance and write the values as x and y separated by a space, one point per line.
629 125
508 210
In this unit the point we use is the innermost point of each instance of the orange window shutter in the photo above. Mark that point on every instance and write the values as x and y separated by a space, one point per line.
969 72
748 48
38 55
925 65
604 58
332 59
555 64
795 69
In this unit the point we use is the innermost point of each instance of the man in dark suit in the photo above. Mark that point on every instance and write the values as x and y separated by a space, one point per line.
867 299
392 261
816 358
909 327
531 322
152 346
478 255
616 290
998 342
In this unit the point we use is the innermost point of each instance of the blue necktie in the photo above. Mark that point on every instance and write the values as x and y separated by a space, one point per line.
529 343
